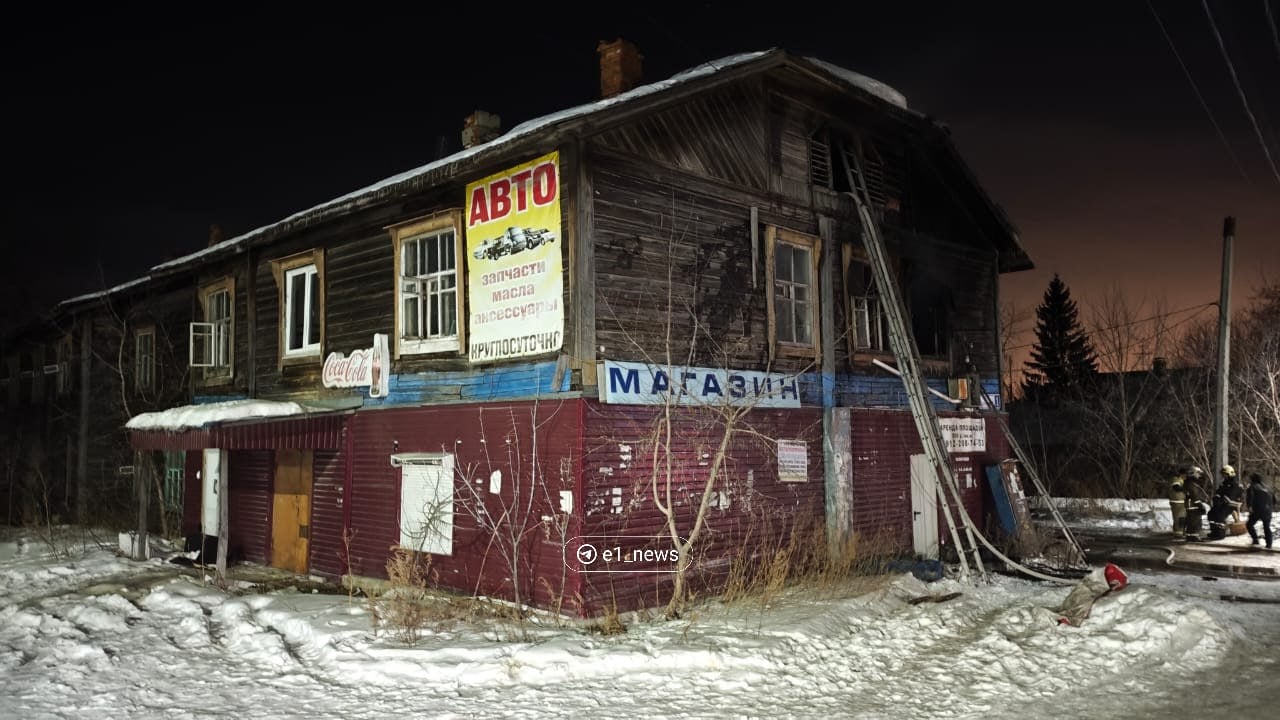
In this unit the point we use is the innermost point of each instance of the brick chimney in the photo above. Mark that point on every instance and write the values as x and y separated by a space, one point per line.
215 235
619 67
480 127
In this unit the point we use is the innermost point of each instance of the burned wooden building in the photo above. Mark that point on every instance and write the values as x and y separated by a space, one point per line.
640 318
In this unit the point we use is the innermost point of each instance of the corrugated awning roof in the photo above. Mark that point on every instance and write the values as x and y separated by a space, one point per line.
238 425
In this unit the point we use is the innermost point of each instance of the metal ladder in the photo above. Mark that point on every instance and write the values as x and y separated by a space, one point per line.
904 349
1027 465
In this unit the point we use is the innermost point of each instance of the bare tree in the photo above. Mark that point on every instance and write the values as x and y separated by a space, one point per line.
524 507
1130 340
689 447
1014 322
1255 380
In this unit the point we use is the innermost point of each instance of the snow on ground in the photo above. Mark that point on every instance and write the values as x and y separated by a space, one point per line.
86 634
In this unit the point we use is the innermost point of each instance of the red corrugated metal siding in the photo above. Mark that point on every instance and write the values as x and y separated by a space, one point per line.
191 493
762 512
249 506
327 553
484 438
314 432
883 443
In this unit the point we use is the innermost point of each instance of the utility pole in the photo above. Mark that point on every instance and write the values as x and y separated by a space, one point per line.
1220 447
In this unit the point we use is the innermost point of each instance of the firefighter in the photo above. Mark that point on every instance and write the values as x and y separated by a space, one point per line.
1231 490
1178 505
1196 498
1259 500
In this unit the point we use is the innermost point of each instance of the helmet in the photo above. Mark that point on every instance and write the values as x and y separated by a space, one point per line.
1195 472
1228 471
1116 578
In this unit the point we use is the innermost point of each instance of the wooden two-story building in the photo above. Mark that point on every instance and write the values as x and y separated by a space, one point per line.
551 338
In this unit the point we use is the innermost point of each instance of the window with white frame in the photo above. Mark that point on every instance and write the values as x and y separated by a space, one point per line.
300 282
65 376
212 341
218 313
302 311
144 359
429 297
793 277
868 324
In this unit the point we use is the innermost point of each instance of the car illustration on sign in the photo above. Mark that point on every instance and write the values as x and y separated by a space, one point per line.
512 241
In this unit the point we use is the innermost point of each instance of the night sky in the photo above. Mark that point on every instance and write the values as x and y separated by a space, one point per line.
129 134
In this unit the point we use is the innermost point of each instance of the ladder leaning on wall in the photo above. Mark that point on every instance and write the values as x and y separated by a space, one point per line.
903 344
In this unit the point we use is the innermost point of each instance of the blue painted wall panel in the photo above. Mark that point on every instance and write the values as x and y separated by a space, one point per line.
485 383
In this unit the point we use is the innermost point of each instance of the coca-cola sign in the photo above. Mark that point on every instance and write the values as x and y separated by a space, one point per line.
365 367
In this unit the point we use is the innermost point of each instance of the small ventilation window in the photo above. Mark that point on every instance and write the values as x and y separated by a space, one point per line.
820 159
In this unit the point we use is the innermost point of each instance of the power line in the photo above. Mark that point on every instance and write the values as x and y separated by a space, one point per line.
1199 96
1271 20
1243 100
1131 323
1116 352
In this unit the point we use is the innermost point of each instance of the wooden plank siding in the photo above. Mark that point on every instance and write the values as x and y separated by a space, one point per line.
663 241
484 439
759 512
718 135
359 300
249 508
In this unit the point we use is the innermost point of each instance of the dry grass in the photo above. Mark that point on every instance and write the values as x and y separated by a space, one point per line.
609 623
402 608
804 559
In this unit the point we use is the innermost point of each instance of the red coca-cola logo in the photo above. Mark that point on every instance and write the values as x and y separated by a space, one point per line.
348 371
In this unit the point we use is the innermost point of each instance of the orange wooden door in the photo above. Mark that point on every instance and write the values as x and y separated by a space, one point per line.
291 510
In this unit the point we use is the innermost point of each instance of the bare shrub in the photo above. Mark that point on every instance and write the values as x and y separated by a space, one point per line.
402 608
609 623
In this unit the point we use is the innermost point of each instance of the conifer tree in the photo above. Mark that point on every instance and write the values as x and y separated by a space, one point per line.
1063 357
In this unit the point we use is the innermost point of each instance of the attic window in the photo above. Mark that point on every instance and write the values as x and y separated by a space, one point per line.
883 167
820 159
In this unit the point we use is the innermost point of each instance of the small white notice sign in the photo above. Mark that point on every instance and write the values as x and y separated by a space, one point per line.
793 461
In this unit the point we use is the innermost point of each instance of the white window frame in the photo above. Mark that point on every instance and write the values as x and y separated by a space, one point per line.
781 294
144 361
419 287
221 339
217 333
426 503
65 353
867 313
310 301
309 265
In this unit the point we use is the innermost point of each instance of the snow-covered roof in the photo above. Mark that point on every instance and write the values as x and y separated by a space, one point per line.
195 416
531 127
104 293
518 132
870 84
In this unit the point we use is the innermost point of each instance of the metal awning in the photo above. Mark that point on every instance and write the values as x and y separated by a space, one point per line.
277 427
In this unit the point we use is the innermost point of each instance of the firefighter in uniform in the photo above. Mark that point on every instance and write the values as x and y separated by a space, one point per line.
1232 491
1178 505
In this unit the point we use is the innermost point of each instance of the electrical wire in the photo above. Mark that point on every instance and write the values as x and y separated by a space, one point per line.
1240 90
1199 96
1271 20
1139 321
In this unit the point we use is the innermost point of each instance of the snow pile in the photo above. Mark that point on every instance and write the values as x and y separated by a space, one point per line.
194 416
91 635
1112 515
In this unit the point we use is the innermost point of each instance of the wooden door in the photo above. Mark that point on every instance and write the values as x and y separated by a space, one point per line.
291 510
